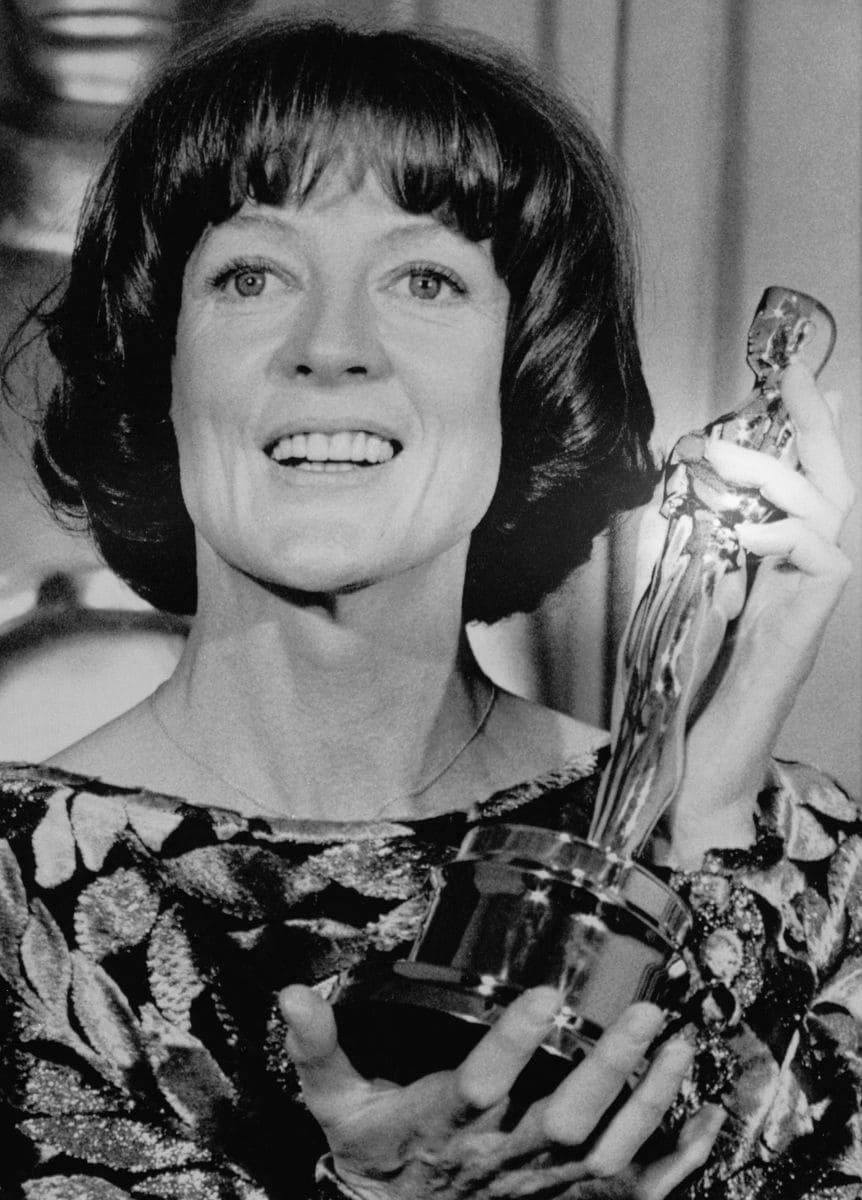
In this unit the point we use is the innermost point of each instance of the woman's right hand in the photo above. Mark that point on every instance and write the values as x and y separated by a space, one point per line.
441 1136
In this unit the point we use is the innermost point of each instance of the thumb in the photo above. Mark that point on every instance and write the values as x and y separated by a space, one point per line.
325 1072
311 1024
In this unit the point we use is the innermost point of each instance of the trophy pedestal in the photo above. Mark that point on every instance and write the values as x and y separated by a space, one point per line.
517 908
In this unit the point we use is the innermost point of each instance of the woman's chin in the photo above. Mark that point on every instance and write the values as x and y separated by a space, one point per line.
318 567
311 587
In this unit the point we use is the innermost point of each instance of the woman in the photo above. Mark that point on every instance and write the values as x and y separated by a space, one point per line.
348 359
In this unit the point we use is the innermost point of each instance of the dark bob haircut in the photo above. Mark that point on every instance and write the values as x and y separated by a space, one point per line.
448 127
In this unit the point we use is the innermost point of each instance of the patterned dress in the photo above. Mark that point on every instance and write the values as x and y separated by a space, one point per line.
143 942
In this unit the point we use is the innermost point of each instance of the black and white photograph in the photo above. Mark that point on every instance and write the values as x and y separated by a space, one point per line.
430 639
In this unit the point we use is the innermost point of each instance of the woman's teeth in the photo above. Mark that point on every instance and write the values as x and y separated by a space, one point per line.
340 451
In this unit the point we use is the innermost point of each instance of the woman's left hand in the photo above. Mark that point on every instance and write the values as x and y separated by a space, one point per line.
778 633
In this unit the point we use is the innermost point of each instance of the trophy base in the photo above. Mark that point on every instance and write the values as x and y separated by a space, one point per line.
520 907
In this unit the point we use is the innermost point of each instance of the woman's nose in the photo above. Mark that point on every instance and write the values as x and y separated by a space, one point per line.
336 338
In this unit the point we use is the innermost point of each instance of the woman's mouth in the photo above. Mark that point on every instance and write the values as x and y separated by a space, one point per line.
346 450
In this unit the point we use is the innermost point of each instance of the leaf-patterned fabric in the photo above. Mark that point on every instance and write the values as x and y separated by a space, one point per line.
143 942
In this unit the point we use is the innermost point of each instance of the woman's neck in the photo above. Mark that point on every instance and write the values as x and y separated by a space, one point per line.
336 708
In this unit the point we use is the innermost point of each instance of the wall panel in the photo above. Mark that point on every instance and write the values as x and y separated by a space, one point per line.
802 203
511 21
584 61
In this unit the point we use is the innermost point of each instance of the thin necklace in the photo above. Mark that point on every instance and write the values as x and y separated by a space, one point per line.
266 810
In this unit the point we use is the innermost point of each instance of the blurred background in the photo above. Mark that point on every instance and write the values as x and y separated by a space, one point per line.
736 123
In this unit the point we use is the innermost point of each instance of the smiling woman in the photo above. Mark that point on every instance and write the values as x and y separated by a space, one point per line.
348 359
479 149
310 329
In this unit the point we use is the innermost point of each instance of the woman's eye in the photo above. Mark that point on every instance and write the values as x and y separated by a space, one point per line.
249 282
425 285
433 283
245 280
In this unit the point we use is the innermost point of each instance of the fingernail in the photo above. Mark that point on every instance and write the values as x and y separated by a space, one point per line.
716 1115
708 1120
286 1011
291 1041
293 1004
644 1021
677 1054
751 537
543 1004
687 1033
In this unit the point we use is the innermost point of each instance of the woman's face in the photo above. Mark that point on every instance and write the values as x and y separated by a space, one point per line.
336 389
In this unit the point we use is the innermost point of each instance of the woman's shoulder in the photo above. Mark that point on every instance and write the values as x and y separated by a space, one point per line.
133 752
129 752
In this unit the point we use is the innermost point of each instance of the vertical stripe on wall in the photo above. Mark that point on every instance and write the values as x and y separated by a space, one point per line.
802 215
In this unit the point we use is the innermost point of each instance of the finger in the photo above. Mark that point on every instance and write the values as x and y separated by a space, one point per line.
816 436
779 484
652 532
576 1107
800 546
644 1111
808 410
325 1073
488 1073
693 1149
